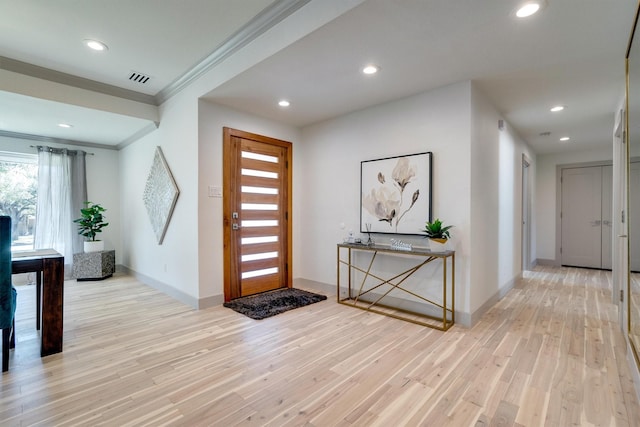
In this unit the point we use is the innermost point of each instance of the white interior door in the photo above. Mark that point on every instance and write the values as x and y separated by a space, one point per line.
607 217
581 220
526 213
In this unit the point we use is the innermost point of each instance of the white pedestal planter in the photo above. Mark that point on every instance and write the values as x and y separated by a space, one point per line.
93 246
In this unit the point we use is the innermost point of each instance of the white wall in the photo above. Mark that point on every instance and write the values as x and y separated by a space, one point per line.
173 265
328 161
496 204
546 182
189 263
103 177
476 185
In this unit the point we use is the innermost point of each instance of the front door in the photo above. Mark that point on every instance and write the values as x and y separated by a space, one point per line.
257 224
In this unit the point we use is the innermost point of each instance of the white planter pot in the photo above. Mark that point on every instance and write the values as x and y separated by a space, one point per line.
94 246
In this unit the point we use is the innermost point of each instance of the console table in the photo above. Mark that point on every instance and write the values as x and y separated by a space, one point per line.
424 257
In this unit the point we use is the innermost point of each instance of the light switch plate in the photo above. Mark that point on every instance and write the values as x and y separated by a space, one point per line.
215 191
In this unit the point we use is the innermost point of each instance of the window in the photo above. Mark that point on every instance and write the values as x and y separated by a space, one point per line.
18 195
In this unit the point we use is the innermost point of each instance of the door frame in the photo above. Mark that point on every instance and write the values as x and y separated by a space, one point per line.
229 186
620 249
525 254
559 169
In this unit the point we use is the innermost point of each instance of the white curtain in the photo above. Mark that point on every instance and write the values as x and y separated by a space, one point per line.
62 191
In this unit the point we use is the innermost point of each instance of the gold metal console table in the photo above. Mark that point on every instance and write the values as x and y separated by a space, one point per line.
353 298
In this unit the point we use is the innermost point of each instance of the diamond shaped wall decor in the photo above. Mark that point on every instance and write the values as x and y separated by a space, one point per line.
160 195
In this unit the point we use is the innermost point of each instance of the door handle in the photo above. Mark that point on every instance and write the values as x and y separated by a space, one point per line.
595 223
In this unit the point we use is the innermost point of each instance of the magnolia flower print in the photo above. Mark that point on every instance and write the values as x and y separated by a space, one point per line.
403 173
386 201
382 203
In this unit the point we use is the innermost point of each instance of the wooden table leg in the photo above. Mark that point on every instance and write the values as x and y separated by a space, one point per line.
52 305
38 298
5 349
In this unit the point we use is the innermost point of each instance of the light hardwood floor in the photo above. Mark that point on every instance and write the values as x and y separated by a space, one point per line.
550 353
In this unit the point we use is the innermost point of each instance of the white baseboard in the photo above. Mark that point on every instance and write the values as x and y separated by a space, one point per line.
197 303
323 288
415 306
466 320
633 368
493 300
211 301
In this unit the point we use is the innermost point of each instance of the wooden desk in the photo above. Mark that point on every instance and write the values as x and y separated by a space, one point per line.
49 268
425 256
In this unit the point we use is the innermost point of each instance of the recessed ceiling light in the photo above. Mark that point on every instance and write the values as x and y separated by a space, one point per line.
65 125
95 45
565 138
284 103
557 108
528 9
370 69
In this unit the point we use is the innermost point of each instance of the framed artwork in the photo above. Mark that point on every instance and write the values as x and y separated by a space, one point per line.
396 194
160 195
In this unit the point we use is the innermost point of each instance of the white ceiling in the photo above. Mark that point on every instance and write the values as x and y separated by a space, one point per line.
571 53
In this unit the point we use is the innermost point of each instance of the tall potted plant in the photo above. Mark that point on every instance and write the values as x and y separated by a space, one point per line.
90 224
438 235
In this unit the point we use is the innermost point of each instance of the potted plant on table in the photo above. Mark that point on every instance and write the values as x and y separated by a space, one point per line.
90 224
438 235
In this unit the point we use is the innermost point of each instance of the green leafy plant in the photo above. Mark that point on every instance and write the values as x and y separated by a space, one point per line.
92 221
436 230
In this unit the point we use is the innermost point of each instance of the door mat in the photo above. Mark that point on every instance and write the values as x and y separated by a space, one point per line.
270 303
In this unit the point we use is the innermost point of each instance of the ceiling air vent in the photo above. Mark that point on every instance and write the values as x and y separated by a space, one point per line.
137 77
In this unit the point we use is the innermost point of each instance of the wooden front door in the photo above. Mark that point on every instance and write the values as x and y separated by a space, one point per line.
257 223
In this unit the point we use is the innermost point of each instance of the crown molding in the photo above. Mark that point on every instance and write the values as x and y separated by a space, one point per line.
260 24
136 136
74 81
39 138
257 26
